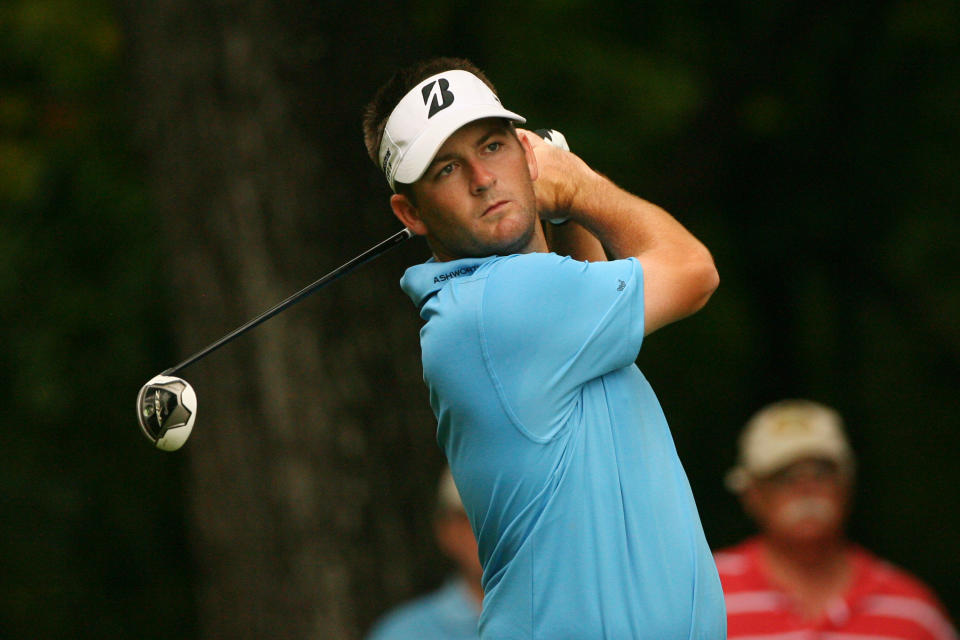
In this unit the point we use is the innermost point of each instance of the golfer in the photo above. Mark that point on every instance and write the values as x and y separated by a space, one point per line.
585 522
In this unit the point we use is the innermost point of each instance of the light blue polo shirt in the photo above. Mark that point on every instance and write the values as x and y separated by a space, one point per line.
449 613
585 521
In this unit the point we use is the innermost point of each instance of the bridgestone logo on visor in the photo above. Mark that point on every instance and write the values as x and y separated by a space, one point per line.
437 96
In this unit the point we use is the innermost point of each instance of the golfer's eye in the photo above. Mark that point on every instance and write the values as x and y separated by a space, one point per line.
494 146
445 170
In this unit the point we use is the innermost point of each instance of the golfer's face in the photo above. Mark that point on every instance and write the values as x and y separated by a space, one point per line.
476 198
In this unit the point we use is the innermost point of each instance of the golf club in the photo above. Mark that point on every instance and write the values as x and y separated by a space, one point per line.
167 405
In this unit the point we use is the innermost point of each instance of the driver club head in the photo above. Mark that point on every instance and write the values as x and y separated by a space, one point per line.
166 411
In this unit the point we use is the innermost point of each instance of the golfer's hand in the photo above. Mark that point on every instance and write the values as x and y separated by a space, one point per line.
561 174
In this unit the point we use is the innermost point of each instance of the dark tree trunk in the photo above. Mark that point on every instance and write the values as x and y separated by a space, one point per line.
313 453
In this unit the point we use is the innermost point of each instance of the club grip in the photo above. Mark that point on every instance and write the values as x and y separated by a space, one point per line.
554 137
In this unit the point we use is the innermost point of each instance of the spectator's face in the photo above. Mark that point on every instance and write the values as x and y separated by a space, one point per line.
476 199
455 538
804 502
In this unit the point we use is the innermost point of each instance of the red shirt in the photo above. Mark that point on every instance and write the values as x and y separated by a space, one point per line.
882 603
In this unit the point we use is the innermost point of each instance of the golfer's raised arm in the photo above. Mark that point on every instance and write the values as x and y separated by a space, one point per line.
678 270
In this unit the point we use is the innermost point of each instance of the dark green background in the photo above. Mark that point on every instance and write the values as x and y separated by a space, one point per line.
813 146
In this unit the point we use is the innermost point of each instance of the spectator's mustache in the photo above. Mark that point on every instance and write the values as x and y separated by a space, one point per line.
809 508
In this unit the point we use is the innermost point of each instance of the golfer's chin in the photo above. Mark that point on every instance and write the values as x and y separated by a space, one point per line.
514 234
500 236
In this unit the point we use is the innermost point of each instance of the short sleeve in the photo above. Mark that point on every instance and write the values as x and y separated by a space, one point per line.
551 324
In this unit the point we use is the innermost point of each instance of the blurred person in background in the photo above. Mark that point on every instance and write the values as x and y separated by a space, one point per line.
800 577
452 611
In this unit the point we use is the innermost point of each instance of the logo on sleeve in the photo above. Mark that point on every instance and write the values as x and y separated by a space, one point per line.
462 271
437 96
623 285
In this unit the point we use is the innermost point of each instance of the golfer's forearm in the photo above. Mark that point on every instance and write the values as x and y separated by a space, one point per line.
625 224
680 275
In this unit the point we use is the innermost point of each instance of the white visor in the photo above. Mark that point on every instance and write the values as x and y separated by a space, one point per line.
429 114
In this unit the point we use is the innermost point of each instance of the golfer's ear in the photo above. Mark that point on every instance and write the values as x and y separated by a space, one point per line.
532 167
407 214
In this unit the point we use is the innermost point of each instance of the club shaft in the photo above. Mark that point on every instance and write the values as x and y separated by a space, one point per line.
342 270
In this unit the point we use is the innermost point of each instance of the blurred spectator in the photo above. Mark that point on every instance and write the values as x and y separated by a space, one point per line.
452 611
800 577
